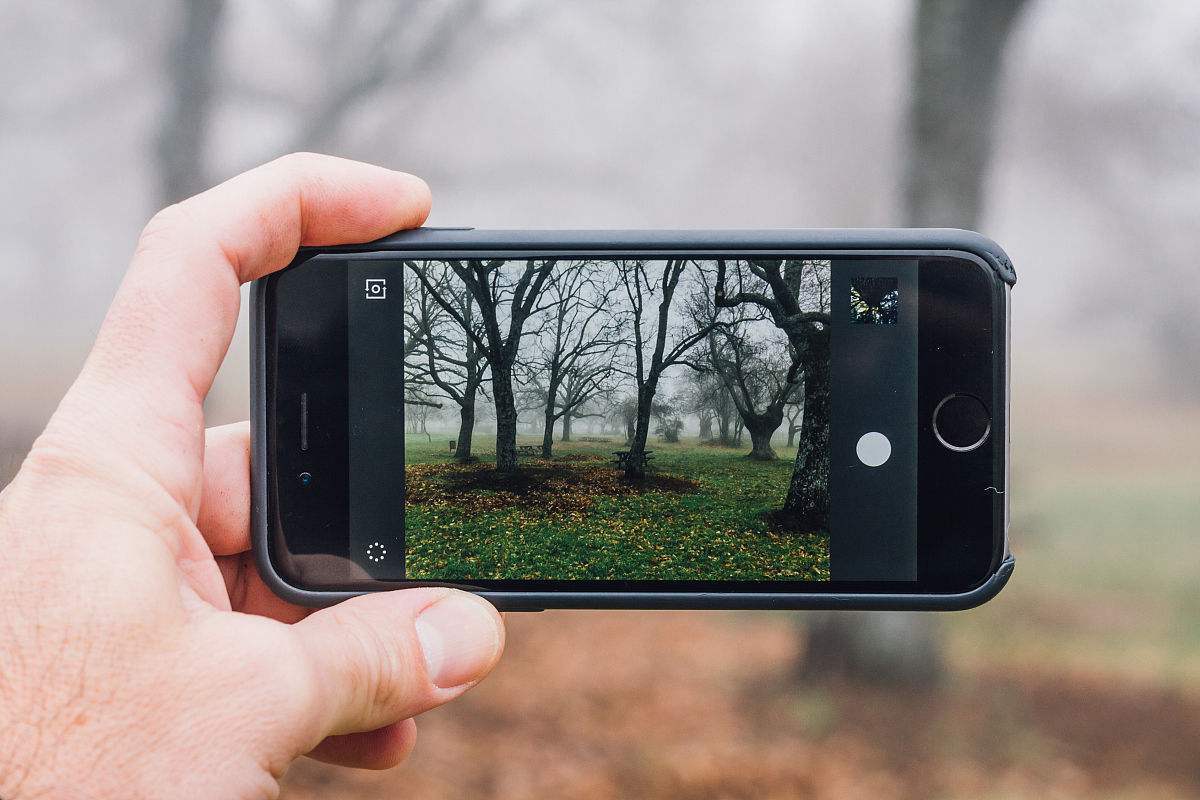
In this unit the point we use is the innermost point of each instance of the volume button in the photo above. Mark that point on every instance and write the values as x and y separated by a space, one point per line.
304 422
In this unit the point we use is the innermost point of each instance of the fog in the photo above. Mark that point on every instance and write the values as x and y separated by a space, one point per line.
539 114
634 115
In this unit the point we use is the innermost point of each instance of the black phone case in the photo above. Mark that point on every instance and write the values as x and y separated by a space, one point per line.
482 243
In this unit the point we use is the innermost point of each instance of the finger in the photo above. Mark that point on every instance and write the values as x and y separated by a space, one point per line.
224 517
379 749
174 314
249 594
177 305
381 658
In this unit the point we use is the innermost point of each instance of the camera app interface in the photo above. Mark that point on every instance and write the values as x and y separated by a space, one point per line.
619 419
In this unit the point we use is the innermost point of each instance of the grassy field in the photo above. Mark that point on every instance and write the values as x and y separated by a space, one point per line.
698 516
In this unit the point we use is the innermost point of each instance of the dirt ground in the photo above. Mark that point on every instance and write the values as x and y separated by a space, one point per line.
1082 680
692 705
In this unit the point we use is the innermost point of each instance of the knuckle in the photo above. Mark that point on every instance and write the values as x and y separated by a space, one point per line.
300 162
306 175
165 220
166 228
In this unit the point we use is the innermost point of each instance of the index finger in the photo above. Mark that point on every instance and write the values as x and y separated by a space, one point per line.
178 303
171 322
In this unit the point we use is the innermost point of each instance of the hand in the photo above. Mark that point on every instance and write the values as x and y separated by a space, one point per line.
140 653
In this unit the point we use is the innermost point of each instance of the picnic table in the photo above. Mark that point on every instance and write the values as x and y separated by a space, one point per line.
623 458
528 450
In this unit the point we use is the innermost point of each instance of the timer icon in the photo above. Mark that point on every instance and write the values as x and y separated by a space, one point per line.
376 552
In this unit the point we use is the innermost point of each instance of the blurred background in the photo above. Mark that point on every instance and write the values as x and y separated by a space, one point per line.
1067 130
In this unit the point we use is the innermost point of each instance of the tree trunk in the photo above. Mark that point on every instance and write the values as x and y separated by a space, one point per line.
706 428
635 467
762 427
724 421
957 59
792 429
807 502
466 428
566 427
506 419
889 647
956 70
548 418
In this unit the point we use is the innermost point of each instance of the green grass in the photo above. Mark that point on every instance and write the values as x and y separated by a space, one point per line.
700 518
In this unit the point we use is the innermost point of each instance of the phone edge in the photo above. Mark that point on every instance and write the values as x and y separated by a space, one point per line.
950 239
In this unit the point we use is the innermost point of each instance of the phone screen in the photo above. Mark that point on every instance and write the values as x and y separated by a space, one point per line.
633 422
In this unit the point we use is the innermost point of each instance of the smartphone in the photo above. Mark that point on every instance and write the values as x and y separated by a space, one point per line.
637 419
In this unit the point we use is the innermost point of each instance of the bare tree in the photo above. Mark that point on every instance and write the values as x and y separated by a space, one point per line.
651 355
443 355
699 400
369 48
624 413
670 424
725 413
795 293
417 410
794 413
505 299
754 361
576 345
759 378
583 394
372 47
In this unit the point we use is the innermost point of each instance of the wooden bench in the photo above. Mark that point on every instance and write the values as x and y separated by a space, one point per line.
622 457
597 439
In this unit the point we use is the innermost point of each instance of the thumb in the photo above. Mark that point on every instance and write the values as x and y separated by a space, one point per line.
381 658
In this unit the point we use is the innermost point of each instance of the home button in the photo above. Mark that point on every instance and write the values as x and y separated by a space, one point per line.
961 422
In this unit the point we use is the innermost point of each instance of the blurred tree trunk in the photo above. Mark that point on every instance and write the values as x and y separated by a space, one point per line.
958 56
190 72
